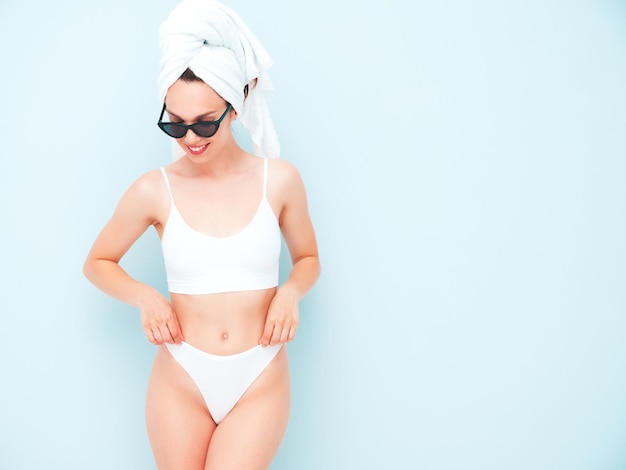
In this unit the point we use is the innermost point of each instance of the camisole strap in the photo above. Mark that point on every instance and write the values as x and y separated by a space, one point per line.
167 183
265 178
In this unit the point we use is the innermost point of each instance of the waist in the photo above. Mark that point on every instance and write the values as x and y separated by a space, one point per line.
225 323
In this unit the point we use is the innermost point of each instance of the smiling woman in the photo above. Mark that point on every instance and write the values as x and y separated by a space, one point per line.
219 393
466 175
201 127
178 94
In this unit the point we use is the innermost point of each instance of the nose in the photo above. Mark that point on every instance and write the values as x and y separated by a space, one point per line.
191 138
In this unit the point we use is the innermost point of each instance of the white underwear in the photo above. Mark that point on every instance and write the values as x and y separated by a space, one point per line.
222 380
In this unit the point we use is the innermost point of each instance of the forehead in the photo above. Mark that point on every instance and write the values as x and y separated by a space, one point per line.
191 99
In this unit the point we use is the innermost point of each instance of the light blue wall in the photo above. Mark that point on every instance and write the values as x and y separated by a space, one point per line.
465 163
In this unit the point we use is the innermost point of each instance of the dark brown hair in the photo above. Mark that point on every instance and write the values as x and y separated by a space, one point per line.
189 76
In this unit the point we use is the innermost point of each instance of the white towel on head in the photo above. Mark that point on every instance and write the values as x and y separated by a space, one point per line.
214 42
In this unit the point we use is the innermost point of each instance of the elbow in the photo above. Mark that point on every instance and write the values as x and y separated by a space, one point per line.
316 258
90 267
87 268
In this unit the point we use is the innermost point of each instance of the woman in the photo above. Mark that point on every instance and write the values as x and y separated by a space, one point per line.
219 395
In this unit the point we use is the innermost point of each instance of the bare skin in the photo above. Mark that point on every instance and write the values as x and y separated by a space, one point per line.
217 188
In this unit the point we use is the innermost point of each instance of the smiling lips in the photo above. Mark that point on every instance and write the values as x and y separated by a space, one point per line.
197 150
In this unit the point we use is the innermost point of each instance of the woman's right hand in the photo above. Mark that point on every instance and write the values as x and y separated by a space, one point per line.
159 320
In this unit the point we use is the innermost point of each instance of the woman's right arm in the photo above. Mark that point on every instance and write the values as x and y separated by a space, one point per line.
136 211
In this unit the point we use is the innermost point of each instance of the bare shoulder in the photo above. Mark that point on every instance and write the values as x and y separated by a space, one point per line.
148 184
146 195
286 189
284 175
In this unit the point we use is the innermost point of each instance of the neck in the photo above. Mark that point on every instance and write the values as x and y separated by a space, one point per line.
225 160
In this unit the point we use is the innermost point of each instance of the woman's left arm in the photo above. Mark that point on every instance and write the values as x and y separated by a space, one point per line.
295 224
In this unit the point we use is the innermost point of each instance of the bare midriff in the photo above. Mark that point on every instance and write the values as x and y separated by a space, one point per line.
225 323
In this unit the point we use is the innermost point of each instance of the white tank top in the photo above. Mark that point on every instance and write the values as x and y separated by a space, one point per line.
196 263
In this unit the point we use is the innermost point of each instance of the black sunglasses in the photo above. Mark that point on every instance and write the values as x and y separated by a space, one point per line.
201 128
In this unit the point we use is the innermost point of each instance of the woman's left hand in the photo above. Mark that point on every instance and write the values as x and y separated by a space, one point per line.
282 318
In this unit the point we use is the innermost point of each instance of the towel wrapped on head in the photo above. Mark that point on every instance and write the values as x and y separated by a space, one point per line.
218 47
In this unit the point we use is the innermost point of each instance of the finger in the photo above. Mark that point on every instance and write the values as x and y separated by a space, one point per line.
178 334
267 334
158 339
150 336
165 334
175 332
292 333
284 335
278 329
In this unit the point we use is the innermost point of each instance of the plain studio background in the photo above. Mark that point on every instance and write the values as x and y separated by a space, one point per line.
465 165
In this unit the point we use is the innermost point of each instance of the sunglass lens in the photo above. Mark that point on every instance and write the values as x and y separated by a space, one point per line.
172 129
205 129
